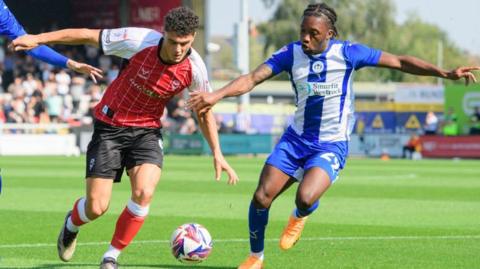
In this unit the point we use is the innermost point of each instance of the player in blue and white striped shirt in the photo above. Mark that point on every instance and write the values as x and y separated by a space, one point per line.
10 27
314 147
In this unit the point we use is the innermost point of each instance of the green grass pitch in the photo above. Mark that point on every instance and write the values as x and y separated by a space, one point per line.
379 214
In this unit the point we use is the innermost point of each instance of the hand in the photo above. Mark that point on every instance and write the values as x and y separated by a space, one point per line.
24 42
220 165
201 101
86 69
463 72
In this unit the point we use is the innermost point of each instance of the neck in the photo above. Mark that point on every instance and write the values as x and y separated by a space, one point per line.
323 47
162 54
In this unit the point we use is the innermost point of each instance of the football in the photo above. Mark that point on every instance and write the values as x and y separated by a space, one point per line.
191 243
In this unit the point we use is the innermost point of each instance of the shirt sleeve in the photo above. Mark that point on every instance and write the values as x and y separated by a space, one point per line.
48 55
199 74
126 42
10 27
281 60
360 55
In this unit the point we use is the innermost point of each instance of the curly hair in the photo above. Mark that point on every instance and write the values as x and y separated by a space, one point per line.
181 20
323 10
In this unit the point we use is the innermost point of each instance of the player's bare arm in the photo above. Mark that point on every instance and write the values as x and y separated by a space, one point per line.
68 37
207 124
202 101
80 36
416 66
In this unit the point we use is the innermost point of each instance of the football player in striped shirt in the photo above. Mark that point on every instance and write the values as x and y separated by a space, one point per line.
314 147
127 120
10 27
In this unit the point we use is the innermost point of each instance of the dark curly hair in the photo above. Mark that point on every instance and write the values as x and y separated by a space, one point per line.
324 11
181 20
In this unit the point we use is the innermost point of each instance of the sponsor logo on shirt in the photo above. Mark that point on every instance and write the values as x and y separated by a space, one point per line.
145 90
115 35
321 89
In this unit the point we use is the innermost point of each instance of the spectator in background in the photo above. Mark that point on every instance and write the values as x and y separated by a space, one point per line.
450 124
54 103
188 127
413 148
475 122
77 90
221 126
241 120
37 109
431 124
180 114
10 27
112 73
63 80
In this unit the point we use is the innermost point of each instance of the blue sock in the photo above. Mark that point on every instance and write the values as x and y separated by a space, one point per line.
299 213
257 222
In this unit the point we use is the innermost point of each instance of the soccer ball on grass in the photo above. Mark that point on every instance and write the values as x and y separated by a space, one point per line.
191 243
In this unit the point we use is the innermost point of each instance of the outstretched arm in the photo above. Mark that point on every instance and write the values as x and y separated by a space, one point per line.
202 101
34 46
67 37
207 124
416 66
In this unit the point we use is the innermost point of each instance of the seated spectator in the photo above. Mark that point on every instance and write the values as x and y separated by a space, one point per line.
431 124
475 122
413 148
221 125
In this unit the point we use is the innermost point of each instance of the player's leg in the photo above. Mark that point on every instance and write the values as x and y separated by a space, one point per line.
271 184
321 171
143 179
144 162
315 182
104 165
85 209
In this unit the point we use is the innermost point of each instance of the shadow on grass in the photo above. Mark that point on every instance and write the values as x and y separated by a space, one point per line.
160 266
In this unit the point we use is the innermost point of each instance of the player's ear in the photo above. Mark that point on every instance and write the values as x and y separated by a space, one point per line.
330 34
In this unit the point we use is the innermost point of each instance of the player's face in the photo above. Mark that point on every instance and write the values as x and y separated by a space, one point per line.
175 47
314 34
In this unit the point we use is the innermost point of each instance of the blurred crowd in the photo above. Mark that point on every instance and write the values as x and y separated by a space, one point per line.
35 92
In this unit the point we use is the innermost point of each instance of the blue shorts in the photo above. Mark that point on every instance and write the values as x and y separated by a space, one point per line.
293 155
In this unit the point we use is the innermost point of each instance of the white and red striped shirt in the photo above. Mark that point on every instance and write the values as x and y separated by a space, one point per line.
137 97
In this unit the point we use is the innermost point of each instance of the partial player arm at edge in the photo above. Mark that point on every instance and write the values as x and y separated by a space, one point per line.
208 126
416 66
202 101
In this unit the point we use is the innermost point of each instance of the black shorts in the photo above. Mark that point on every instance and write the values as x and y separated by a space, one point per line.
112 149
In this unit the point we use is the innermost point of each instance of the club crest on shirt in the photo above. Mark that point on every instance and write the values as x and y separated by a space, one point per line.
317 67
144 73
175 84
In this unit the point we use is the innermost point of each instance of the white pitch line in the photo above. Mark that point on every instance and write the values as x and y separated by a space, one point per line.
238 240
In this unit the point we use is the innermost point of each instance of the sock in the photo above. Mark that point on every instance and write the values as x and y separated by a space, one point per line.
257 254
78 217
257 222
112 252
299 213
128 225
